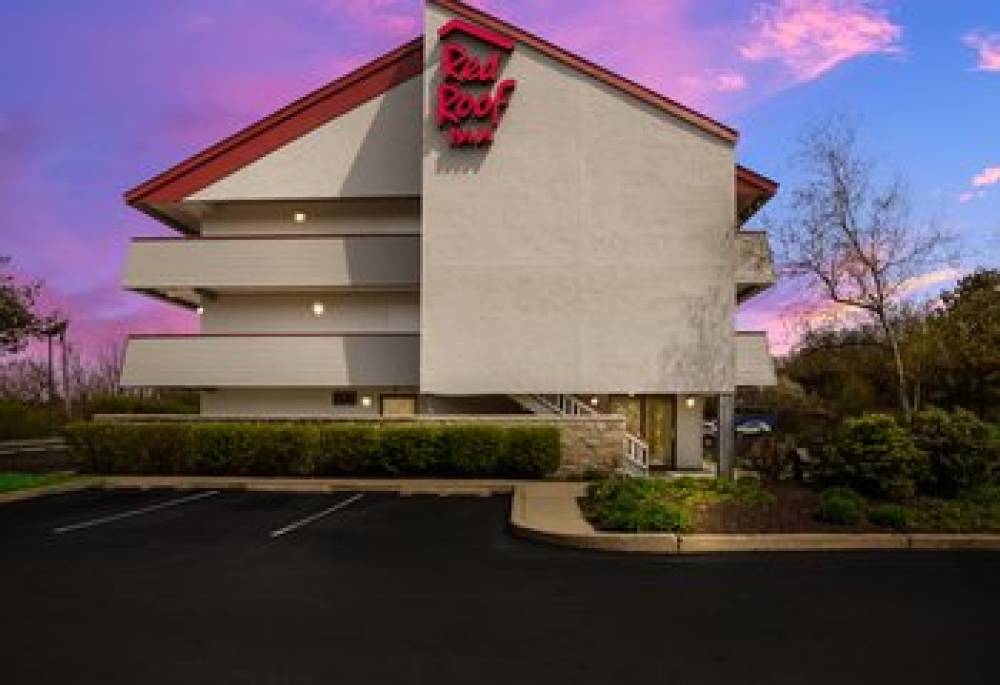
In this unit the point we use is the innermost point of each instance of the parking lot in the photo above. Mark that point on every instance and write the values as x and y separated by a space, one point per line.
247 587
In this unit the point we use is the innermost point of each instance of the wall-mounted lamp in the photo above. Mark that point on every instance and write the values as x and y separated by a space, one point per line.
366 401
594 401
199 310
318 308
690 402
299 217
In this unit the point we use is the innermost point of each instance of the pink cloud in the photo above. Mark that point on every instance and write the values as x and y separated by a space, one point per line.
810 37
988 177
787 311
987 45
397 18
708 81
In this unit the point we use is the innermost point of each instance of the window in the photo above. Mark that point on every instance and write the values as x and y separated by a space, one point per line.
345 398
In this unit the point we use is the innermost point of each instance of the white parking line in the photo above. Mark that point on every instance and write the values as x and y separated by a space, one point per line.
315 517
135 512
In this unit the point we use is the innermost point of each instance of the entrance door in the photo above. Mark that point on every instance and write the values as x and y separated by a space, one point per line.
399 405
651 417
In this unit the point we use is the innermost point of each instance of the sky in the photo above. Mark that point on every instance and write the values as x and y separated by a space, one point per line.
98 96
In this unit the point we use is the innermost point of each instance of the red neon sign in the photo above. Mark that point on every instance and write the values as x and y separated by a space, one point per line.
468 117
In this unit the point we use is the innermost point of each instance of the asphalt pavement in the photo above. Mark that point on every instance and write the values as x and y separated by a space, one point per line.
208 586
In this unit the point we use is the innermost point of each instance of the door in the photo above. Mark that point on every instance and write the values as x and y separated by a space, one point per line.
399 405
651 417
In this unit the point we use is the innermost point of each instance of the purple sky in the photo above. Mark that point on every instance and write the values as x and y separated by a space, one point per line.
97 96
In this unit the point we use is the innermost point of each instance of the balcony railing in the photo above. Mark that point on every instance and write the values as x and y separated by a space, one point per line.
273 360
754 264
754 364
274 262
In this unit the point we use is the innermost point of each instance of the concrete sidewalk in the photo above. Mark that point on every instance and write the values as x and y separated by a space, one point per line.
404 486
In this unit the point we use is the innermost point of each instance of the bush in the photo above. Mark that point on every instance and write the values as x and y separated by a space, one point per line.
770 456
841 506
959 451
19 421
315 449
876 456
633 505
171 403
890 516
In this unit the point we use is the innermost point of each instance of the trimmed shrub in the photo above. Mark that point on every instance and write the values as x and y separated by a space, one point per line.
529 451
890 516
180 402
959 451
19 421
633 505
316 449
876 456
841 506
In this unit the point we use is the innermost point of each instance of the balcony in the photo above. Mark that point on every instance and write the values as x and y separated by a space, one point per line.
754 265
238 360
180 268
754 364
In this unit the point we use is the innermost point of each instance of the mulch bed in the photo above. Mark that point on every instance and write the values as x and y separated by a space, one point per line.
791 513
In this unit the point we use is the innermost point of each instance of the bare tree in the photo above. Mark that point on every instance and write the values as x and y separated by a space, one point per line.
851 238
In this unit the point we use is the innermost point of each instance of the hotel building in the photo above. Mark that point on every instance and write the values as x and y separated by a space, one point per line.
476 223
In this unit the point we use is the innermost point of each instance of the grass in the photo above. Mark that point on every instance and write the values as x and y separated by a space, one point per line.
9 482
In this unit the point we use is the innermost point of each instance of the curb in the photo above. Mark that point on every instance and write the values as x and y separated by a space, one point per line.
792 542
403 487
54 489
671 544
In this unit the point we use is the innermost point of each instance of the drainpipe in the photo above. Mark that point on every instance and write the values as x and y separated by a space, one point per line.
727 433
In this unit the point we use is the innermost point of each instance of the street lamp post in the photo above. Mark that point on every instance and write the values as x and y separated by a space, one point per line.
57 328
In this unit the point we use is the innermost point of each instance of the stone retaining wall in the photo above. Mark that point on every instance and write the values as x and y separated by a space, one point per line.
589 443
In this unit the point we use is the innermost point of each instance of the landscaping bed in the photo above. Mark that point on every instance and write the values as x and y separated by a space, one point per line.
687 505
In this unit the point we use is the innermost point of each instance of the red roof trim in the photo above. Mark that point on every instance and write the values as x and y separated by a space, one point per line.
758 181
274 334
368 82
634 89
465 27
282 127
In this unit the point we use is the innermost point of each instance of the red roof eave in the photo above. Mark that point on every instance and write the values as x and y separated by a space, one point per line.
370 81
281 127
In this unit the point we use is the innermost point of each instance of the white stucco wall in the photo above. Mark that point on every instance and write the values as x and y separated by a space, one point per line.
590 249
690 445
754 363
343 312
355 261
364 215
272 361
373 150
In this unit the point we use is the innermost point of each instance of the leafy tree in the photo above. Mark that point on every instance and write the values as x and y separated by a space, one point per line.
968 354
851 238
19 322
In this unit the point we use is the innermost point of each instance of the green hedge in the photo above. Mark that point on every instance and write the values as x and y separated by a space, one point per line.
19 421
316 449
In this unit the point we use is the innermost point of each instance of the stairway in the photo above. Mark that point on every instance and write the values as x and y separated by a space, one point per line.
635 460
